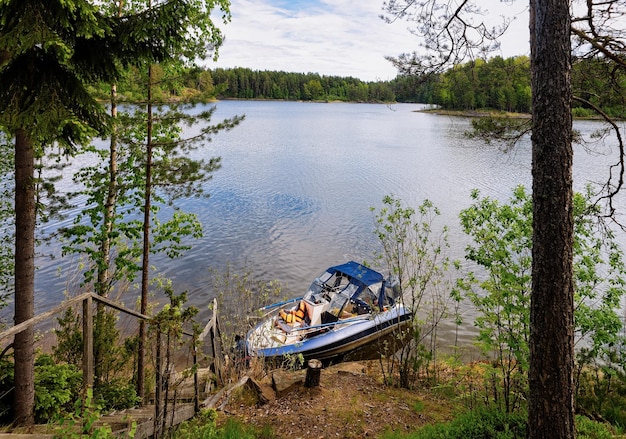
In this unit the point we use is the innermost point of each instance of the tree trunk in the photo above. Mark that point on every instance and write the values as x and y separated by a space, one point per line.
146 246
25 221
551 403
313 373
103 284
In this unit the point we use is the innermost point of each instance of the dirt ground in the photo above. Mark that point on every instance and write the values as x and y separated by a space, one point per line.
350 402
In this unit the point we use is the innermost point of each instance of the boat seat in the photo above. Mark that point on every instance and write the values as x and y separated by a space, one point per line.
288 326
346 315
282 339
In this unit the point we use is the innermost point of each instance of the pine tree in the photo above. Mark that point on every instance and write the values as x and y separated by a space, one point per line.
49 53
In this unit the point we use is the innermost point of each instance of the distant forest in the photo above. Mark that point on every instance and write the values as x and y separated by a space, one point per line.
496 84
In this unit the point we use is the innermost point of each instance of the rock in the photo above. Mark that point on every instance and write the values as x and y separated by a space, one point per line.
264 392
283 379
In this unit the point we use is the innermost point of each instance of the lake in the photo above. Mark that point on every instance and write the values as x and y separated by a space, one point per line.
298 180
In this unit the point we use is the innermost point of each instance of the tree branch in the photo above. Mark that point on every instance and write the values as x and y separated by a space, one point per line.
611 190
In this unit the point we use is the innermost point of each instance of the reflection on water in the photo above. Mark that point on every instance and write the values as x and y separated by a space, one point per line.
298 180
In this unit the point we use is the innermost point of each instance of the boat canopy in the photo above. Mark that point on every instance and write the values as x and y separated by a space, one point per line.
357 271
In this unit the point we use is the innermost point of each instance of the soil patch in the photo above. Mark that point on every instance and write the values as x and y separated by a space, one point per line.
350 402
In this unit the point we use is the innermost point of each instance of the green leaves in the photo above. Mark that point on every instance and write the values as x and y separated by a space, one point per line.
42 85
56 386
500 291
414 251
168 236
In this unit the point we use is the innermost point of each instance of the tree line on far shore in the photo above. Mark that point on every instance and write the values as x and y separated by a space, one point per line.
497 83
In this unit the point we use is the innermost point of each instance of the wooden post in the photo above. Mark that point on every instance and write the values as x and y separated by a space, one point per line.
159 385
87 343
196 390
313 373
216 346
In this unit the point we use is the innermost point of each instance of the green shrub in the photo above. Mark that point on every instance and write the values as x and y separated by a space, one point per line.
56 387
583 112
69 347
588 429
601 390
6 392
483 423
492 423
118 394
236 430
81 422
112 387
203 426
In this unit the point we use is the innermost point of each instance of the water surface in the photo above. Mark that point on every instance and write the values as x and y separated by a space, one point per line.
298 180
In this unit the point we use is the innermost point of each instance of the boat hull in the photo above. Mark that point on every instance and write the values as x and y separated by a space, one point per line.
357 340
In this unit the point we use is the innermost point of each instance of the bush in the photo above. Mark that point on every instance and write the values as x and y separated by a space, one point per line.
483 423
588 429
81 422
601 391
116 395
201 427
479 424
57 386
204 427
583 112
493 423
6 390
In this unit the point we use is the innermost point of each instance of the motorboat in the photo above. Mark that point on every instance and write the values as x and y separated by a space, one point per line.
346 314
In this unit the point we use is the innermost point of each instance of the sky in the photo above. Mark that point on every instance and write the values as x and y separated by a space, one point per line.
336 37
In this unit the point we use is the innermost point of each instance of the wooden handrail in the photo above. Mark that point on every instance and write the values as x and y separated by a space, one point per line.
41 317
88 342
66 304
62 307
86 299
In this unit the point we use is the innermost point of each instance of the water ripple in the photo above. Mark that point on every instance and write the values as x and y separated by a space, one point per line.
297 182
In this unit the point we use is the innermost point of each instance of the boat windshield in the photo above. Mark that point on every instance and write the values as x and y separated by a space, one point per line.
341 298
316 287
368 296
345 294
328 283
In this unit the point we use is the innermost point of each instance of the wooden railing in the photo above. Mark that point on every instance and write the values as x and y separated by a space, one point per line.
147 427
87 300
211 329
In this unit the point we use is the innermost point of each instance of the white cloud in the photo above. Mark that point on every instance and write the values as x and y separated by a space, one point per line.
330 37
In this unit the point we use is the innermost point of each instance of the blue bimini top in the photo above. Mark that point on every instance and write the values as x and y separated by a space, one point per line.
359 272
